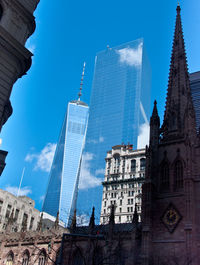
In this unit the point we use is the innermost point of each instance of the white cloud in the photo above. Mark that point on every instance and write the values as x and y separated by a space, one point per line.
43 159
31 48
87 179
143 138
41 198
23 191
100 171
101 139
131 56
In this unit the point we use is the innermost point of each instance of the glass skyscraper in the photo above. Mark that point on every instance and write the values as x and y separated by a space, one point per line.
62 188
195 90
119 113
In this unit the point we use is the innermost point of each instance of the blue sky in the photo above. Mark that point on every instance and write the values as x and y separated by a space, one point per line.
67 34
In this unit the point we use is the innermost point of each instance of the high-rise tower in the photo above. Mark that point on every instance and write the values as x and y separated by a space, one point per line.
61 193
195 91
119 113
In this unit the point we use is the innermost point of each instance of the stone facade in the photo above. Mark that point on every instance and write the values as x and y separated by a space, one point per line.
17 24
20 209
27 248
122 186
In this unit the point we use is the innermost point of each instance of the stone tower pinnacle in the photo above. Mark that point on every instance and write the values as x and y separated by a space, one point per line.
178 92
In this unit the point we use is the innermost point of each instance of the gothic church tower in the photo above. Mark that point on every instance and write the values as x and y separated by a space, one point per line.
171 193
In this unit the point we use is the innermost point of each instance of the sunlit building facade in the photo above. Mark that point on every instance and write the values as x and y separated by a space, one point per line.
195 91
119 113
62 188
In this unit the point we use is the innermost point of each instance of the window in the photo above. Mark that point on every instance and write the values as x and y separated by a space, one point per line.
104 203
16 214
25 260
131 201
8 210
119 219
131 209
128 209
142 163
121 186
164 182
122 194
31 223
120 210
1 204
120 202
133 165
128 201
42 258
178 175
78 258
132 193
104 211
10 259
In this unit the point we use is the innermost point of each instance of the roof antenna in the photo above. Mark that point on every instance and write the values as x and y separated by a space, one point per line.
81 84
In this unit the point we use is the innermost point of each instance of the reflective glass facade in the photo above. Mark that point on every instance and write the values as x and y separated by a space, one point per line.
61 193
119 113
195 90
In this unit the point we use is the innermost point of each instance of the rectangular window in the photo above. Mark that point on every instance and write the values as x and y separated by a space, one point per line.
16 214
131 201
120 202
128 201
31 223
104 203
131 209
121 186
119 219
8 211
1 204
128 209
120 210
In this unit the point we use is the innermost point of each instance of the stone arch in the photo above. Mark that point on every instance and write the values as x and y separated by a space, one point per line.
10 258
42 257
26 257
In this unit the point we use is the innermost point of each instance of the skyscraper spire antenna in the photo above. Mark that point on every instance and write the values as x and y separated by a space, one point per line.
81 84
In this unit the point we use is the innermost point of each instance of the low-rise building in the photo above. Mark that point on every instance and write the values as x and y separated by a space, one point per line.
122 186
22 209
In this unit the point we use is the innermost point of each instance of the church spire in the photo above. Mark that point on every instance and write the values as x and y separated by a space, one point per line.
178 92
81 84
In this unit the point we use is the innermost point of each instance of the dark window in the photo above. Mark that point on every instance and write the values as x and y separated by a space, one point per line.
1 12
8 211
10 258
133 165
16 214
1 204
25 260
142 163
164 183
31 223
178 175
42 258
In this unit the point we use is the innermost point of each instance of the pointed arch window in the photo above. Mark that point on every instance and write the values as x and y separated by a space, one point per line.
78 258
164 177
42 258
25 260
10 259
178 175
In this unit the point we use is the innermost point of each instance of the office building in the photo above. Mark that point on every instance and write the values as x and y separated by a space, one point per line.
122 186
22 209
62 188
195 90
119 113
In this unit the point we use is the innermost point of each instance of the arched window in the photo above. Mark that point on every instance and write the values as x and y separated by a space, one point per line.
142 163
78 258
1 11
25 260
133 165
10 259
178 175
42 258
164 177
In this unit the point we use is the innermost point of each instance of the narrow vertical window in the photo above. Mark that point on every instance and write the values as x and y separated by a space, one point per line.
10 259
142 163
25 260
178 175
133 165
164 178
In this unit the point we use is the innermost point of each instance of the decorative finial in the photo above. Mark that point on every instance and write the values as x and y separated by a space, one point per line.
81 84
